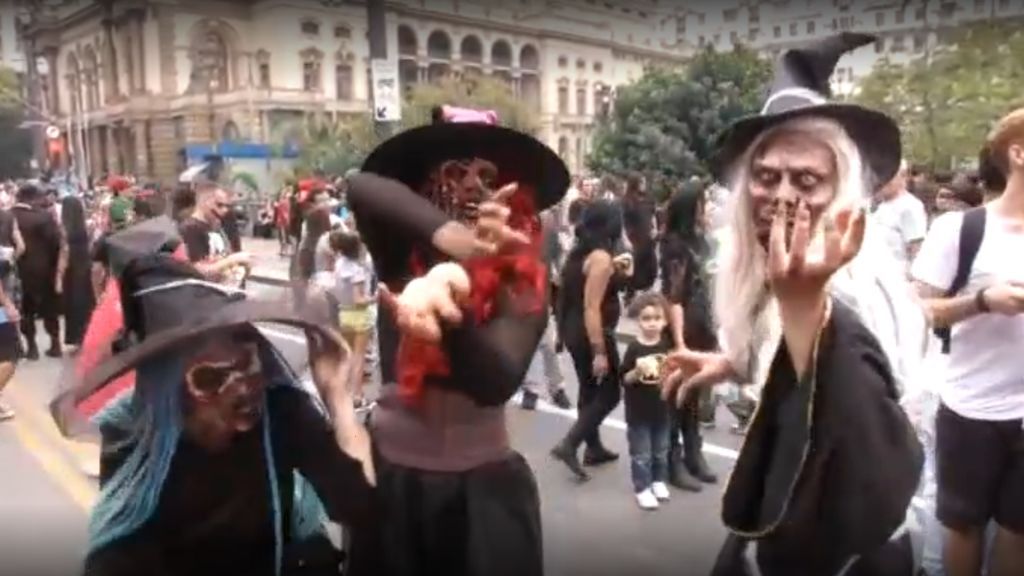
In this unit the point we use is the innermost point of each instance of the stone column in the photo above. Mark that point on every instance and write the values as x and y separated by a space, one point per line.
165 150
51 62
137 31
141 147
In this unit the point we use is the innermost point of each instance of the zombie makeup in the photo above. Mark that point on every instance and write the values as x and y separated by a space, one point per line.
458 187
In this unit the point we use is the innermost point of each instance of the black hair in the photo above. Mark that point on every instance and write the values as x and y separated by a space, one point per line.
646 300
599 228
72 216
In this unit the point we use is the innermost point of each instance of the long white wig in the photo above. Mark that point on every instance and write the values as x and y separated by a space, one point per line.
873 284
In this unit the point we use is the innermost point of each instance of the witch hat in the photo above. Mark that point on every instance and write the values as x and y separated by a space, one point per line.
800 88
461 133
167 305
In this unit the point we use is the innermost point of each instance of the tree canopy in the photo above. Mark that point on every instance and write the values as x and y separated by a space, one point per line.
665 124
337 146
15 141
947 100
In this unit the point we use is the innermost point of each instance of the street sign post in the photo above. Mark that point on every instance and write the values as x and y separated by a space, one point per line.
387 102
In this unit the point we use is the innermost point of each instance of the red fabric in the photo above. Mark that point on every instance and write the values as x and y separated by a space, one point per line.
104 327
521 270
118 183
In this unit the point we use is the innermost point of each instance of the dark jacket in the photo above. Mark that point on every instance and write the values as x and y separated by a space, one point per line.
829 464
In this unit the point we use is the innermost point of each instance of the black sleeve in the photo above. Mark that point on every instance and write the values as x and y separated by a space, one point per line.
857 372
628 359
197 241
489 361
133 554
391 218
308 440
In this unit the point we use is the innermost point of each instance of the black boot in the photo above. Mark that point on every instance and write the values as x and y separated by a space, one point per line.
597 454
678 475
567 456
693 457
561 400
55 350
529 401
33 351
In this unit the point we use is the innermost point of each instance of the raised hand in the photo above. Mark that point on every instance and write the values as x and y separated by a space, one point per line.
795 276
492 230
685 370
427 303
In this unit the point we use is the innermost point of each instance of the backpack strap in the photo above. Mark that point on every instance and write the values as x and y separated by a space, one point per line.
972 231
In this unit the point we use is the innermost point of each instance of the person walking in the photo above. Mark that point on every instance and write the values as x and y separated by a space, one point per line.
78 296
38 269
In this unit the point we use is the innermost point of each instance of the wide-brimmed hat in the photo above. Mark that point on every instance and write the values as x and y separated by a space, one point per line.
800 88
168 305
458 133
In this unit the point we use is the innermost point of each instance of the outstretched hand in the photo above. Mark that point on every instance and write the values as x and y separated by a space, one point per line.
490 233
796 277
686 370
428 303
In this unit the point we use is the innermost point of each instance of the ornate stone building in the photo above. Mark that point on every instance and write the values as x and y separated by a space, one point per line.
137 81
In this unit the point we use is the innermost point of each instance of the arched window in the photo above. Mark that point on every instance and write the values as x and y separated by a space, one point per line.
472 50
312 70
501 54
230 132
563 147
343 77
529 59
439 46
210 61
90 79
408 45
74 82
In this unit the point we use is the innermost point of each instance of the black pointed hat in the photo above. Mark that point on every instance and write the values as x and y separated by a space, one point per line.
456 133
800 88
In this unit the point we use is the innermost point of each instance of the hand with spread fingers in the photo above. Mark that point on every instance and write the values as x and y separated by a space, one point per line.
428 303
686 370
797 277
489 234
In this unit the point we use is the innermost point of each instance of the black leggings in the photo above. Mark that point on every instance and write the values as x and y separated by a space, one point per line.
598 398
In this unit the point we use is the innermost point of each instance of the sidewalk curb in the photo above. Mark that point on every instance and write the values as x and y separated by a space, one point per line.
277 282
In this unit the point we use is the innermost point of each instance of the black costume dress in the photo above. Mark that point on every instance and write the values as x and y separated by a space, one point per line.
78 297
598 397
637 216
455 498
828 466
214 516
37 268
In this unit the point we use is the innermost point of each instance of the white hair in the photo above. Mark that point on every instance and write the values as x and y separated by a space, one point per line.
873 284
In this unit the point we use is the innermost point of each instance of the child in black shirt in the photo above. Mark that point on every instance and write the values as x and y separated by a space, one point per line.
647 415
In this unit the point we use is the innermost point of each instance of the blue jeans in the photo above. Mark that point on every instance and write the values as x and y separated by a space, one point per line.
648 452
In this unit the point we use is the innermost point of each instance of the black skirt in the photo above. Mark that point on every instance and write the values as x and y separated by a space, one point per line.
10 342
483 522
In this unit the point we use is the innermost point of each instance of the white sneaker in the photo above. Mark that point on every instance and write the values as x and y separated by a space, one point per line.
660 491
647 500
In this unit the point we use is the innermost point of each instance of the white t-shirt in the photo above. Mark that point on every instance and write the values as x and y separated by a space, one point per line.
984 371
901 221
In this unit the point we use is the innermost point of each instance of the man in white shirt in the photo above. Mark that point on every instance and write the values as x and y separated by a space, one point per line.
980 424
901 218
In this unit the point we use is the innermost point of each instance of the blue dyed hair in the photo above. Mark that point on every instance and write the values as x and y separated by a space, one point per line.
151 417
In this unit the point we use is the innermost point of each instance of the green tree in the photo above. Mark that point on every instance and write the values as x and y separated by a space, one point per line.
334 147
665 124
483 92
947 100
15 141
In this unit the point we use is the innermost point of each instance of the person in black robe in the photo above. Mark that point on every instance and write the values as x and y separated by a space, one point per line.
830 462
38 270
450 214
78 295
218 461
638 222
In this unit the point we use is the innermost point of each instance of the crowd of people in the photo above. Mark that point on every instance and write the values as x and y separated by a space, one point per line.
867 313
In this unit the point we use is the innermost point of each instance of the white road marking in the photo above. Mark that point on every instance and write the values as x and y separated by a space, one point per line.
542 405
